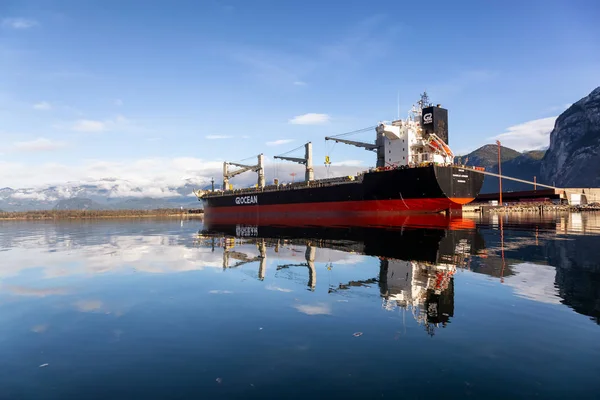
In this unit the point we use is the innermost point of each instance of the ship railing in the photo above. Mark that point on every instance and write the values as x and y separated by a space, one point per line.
290 186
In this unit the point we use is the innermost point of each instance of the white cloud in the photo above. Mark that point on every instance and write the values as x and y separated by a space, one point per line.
88 125
340 55
310 119
42 105
348 163
215 137
299 83
158 177
39 144
118 102
317 309
32 195
19 23
279 142
528 135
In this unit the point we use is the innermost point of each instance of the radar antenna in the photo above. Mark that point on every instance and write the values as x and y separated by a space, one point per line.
424 102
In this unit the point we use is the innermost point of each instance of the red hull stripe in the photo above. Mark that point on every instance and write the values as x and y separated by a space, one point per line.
382 213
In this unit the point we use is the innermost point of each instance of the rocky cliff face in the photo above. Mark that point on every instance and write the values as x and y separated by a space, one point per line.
573 158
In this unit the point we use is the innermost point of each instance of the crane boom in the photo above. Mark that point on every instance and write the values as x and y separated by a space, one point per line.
292 159
378 146
367 146
239 171
248 167
306 161
244 168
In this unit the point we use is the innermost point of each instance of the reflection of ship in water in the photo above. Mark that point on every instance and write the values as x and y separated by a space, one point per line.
426 289
416 265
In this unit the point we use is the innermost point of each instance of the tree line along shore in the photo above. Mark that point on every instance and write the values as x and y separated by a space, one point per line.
90 214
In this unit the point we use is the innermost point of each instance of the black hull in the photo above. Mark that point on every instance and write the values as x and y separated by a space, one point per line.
411 190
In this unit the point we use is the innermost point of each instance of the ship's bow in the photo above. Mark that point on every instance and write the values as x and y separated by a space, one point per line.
460 185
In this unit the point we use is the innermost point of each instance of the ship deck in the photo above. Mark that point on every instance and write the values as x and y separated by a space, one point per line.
289 186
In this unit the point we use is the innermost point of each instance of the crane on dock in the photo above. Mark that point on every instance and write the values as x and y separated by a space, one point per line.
306 161
259 168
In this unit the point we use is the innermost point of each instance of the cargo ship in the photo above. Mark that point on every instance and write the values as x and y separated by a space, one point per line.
415 173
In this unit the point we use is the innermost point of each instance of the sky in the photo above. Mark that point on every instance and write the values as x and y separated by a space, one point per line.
157 91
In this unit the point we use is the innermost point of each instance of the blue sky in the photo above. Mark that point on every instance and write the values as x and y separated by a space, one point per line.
98 87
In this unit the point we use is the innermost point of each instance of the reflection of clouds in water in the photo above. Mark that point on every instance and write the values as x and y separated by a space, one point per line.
278 289
534 282
220 292
40 328
34 292
88 305
59 256
315 309
152 254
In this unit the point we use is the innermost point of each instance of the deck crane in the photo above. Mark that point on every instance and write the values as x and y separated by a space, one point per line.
378 146
260 168
309 174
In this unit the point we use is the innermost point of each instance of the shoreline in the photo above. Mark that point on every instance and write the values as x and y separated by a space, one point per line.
530 208
54 215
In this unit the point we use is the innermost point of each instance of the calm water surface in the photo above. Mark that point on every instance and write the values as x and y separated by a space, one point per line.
506 308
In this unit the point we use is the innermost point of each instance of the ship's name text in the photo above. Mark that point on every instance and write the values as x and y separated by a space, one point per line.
246 200
460 176
246 230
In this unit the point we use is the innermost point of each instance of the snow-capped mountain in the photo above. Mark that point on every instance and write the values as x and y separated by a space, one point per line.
115 193
105 194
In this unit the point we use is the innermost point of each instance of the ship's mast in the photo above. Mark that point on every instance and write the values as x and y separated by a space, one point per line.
424 101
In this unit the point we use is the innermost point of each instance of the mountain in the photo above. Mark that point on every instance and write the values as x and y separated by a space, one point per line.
78 203
514 164
100 196
573 158
487 156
